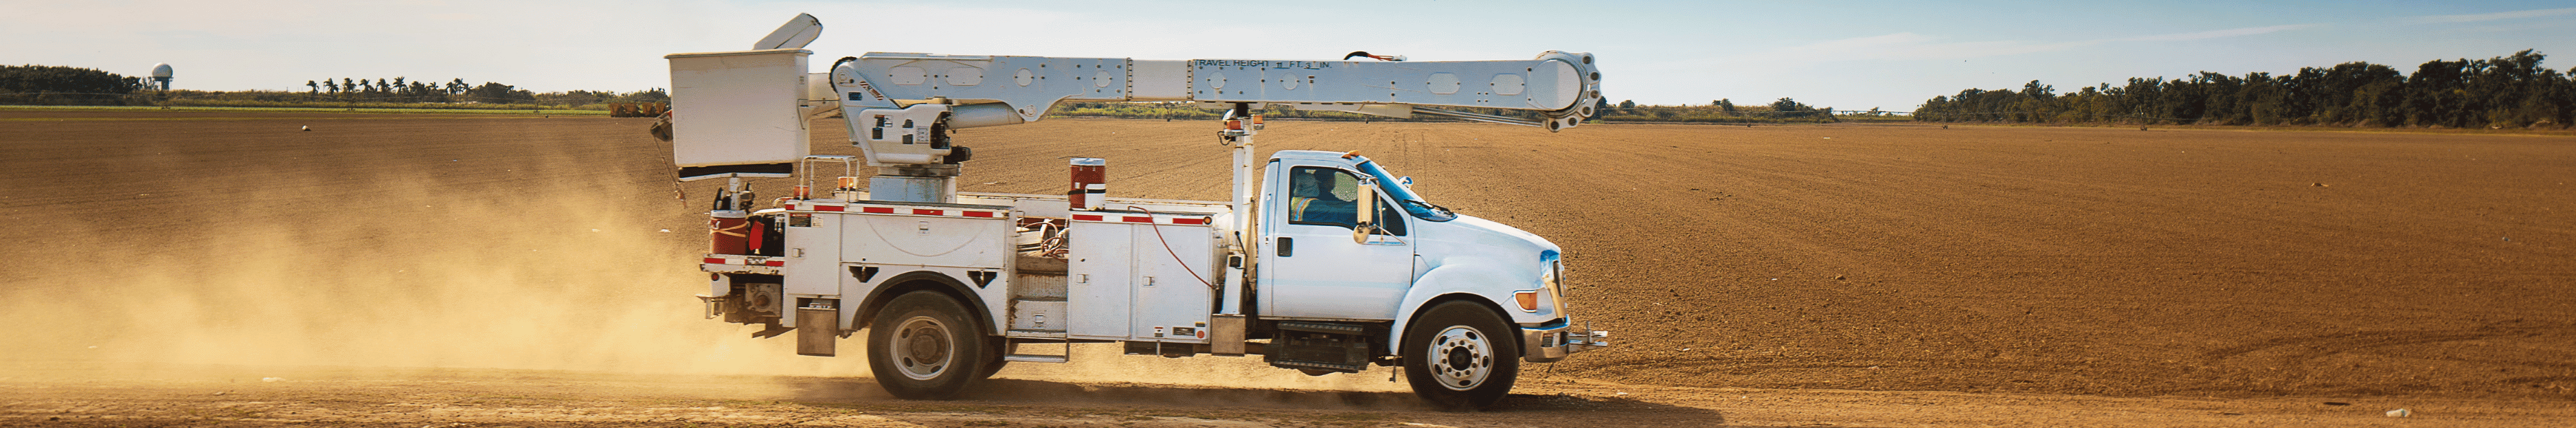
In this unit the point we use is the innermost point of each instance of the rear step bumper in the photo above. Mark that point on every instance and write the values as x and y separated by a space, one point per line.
1035 358
736 263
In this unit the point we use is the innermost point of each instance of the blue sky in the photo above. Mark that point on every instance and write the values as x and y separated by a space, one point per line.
1849 55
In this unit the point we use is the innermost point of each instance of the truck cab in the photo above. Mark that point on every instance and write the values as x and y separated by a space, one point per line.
1326 262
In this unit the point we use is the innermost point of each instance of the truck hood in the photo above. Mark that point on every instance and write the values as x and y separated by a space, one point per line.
1491 260
1471 231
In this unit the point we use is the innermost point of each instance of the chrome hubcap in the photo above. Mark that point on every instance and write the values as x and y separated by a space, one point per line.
1461 357
921 348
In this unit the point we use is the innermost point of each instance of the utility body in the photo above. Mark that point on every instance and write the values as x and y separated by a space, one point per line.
1323 262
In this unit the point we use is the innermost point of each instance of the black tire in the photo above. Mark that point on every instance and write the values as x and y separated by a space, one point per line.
1460 355
1000 347
925 346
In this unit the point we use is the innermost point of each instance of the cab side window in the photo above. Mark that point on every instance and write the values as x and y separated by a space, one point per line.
1322 196
1329 197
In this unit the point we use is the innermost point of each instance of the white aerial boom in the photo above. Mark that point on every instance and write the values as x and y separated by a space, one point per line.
895 99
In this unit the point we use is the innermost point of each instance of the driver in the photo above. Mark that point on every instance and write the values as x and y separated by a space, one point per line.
1311 196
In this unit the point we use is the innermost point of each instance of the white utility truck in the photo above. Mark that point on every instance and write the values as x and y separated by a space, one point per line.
1332 265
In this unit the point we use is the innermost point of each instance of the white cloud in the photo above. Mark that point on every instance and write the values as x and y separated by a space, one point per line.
2482 17
2233 32
1899 46
1911 46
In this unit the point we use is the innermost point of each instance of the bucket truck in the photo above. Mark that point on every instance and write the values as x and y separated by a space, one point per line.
1322 262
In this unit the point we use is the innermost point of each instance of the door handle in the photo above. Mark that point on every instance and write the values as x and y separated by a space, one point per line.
1287 246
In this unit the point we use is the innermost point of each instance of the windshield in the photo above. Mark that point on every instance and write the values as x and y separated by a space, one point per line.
1412 202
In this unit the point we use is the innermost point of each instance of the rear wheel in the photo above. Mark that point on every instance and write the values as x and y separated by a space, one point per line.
1460 355
924 346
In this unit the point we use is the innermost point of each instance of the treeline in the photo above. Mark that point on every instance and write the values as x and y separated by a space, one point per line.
2503 92
1723 111
53 85
398 90
567 100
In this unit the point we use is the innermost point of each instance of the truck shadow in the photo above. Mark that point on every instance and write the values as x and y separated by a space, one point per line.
1003 399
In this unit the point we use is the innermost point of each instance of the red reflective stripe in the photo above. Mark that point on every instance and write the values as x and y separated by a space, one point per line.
774 263
918 211
789 207
1086 217
716 261
984 214
876 210
1137 219
829 208
1189 221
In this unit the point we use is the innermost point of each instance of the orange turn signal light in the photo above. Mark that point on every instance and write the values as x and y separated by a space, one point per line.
1527 299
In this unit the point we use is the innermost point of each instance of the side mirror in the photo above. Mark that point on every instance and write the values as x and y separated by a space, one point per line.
1367 215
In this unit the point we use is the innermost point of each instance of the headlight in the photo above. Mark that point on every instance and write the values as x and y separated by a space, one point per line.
1551 273
1555 277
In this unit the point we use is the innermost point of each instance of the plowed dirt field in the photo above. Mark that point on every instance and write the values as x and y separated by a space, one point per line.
227 268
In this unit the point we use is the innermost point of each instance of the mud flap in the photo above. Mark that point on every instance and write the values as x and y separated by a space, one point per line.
1225 335
817 329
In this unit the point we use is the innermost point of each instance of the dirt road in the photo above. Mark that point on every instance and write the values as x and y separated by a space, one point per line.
2049 276
92 394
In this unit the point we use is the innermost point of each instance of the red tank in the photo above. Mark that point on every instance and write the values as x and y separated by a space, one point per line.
731 232
1090 184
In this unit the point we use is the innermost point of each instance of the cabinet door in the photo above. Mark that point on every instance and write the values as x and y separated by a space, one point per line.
1100 262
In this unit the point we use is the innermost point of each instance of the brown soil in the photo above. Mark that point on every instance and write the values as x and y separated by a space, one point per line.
1852 275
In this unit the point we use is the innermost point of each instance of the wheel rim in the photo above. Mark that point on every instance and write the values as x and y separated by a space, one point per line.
1461 357
922 348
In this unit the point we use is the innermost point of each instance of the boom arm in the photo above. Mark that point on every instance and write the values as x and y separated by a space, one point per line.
743 113
1564 85
900 105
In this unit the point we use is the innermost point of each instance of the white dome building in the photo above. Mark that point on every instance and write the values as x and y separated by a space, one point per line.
161 75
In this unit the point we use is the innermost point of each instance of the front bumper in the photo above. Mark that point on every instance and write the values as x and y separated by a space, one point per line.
1552 341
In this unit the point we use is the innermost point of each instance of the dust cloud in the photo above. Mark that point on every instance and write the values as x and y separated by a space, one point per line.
395 267
538 259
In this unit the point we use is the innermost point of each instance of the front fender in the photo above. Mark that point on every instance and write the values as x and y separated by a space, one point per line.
1487 280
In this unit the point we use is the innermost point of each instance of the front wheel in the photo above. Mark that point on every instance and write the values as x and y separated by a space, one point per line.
993 364
1460 355
924 346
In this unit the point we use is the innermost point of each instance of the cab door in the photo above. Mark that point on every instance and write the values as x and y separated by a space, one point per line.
1311 265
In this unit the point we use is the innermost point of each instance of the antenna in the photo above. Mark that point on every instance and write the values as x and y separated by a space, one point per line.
794 35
